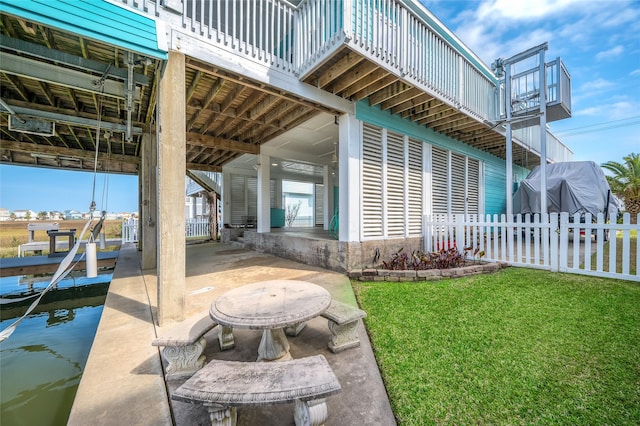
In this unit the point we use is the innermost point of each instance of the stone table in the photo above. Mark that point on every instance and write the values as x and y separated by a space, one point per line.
271 306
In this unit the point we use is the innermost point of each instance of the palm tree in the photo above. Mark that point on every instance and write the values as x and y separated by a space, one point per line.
625 182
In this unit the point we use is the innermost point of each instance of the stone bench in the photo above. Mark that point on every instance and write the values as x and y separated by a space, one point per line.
343 324
223 386
184 344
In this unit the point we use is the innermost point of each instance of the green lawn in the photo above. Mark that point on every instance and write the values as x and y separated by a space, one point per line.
519 346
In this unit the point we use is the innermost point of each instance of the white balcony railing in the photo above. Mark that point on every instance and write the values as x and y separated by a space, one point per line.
397 34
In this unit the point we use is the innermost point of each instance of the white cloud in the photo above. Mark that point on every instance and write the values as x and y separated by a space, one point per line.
609 112
596 85
523 9
635 72
614 52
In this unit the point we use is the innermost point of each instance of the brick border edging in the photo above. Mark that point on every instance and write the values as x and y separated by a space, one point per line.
373 274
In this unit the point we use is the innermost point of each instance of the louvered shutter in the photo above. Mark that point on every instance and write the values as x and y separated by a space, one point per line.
319 204
252 196
272 193
439 179
237 199
395 185
473 186
414 201
372 181
458 183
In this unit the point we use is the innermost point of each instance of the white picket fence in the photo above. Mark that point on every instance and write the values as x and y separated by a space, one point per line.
130 231
555 242
197 228
194 228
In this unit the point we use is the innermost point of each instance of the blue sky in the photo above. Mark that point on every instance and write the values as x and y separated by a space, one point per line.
41 189
598 41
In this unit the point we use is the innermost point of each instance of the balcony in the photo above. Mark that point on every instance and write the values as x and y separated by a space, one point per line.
393 54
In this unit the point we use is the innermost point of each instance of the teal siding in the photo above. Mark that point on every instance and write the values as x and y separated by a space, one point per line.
93 19
494 167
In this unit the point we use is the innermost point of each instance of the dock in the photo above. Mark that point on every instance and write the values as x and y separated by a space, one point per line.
39 246
32 265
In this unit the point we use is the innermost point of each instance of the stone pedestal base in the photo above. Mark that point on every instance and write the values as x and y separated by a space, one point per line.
310 413
296 329
274 346
184 360
344 336
225 338
221 415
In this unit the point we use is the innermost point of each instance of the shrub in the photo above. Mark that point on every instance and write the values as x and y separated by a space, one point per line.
441 259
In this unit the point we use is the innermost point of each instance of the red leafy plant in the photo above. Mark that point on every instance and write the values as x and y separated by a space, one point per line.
441 259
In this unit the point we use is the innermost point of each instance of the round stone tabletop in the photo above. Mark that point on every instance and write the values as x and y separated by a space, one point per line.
270 304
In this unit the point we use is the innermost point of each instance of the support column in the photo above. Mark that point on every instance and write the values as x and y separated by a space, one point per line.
171 175
148 210
264 201
350 164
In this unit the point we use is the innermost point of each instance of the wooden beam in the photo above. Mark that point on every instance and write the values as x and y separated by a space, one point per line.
347 62
346 80
402 97
67 152
405 107
373 77
204 167
196 139
211 70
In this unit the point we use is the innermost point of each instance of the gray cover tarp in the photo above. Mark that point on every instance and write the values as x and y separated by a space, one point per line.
574 187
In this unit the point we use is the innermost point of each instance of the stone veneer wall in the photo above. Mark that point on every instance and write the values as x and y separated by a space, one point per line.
425 275
334 255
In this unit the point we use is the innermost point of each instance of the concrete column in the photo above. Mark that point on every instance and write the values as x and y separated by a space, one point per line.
148 200
350 164
171 177
264 200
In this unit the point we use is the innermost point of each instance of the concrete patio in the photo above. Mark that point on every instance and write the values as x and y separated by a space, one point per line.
123 381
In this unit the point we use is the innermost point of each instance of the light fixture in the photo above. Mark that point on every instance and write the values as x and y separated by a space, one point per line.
334 157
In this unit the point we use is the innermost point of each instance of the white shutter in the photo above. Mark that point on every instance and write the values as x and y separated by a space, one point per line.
372 181
252 196
439 180
473 186
272 193
395 185
319 204
238 208
458 184
414 200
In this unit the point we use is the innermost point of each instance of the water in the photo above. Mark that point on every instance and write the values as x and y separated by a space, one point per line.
42 362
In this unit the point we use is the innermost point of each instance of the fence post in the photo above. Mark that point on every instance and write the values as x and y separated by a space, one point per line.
626 244
459 240
562 246
518 230
577 232
550 240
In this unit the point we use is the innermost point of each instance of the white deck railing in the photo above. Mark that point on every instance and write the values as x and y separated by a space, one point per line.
130 231
193 228
197 228
552 242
